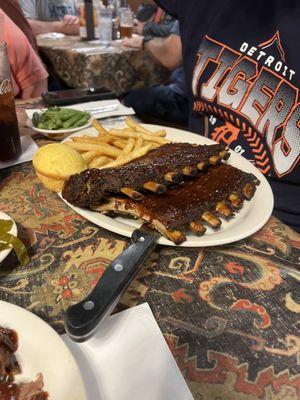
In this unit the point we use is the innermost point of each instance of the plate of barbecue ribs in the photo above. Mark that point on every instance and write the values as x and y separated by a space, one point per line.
212 195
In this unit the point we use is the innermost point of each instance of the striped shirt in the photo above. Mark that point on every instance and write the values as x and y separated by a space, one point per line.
48 10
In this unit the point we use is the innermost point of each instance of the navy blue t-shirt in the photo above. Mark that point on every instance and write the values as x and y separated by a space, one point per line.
241 62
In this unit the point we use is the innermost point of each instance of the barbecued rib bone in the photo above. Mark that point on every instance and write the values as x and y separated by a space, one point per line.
133 194
211 220
189 171
248 191
121 206
201 166
224 154
197 228
214 160
173 177
235 200
155 187
223 209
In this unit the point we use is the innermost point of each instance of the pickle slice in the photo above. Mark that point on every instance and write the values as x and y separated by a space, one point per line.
5 225
7 240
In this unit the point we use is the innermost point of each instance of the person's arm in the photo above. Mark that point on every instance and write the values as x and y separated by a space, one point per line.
167 51
158 30
35 90
28 71
39 27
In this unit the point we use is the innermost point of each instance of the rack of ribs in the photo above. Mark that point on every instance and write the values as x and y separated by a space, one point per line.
192 205
153 173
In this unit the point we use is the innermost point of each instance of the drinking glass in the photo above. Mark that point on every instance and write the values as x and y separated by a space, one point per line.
126 23
105 26
10 147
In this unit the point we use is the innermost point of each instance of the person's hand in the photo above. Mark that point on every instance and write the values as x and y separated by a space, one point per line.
139 27
71 20
135 42
68 29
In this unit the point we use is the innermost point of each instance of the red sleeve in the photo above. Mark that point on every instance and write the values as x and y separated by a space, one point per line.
26 67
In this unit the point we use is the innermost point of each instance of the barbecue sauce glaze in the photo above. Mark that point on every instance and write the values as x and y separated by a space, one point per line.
8 345
93 186
182 205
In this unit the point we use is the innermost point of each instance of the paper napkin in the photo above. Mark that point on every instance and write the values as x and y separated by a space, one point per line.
128 359
121 110
29 148
51 35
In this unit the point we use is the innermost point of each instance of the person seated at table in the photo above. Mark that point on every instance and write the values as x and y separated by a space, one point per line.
14 11
151 20
51 16
240 61
29 76
167 102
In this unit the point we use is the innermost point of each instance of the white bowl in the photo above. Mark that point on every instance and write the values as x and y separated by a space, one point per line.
58 134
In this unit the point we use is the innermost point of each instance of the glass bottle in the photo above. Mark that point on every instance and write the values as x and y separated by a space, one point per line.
87 27
10 142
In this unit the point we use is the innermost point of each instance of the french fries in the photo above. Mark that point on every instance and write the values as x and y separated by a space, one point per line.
116 147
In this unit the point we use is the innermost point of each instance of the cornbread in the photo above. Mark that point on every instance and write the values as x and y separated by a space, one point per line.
51 183
55 162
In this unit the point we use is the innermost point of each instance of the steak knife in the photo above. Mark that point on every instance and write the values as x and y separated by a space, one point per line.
82 319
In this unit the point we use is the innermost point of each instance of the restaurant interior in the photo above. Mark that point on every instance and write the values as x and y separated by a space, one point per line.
149 200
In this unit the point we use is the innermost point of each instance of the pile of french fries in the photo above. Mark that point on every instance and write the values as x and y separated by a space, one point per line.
116 147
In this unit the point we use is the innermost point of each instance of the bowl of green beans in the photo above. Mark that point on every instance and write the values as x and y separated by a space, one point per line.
58 123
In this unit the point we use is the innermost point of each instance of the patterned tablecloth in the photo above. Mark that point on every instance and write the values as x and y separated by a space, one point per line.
85 64
230 314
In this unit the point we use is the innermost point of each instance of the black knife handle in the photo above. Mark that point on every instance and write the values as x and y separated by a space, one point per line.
83 318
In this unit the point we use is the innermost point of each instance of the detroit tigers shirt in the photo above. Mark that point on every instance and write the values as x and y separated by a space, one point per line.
241 62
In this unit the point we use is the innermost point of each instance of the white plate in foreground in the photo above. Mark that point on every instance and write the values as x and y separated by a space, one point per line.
41 350
248 220
13 231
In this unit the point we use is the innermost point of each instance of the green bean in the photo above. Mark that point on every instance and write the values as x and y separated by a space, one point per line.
71 121
64 115
56 118
82 121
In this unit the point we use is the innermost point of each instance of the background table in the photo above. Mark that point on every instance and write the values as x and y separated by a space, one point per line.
230 314
84 64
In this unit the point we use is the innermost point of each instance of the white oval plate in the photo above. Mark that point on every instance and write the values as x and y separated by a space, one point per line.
41 350
13 231
59 133
248 220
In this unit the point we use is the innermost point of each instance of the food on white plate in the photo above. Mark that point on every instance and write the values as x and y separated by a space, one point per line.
153 172
216 194
57 118
116 147
10 367
53 165
173 187
55 162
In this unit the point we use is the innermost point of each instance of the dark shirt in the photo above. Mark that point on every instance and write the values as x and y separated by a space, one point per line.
242 65
14 11
178 78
